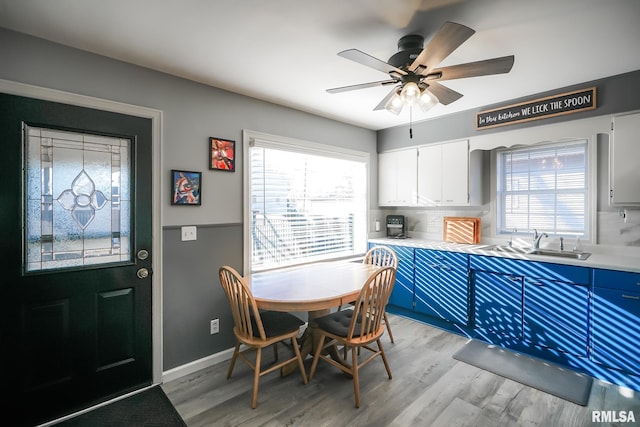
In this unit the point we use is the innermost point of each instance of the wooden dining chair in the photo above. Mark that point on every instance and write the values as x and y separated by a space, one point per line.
258 329
356 329
382 256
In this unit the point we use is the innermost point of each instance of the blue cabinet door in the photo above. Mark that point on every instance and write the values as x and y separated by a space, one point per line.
441 285
556 315
402 294
498 303
616 320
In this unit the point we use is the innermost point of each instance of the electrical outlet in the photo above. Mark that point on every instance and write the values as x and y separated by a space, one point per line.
189 233
215 326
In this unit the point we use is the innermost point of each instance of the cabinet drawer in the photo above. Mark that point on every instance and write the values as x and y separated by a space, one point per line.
542 270
442 258
403 252
622 280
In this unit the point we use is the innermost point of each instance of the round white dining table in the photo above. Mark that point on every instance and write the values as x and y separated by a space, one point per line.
314 288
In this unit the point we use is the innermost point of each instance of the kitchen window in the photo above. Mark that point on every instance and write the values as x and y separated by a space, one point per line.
306 202
544 188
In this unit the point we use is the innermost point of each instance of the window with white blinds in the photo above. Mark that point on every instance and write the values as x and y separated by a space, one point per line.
544 188
306 204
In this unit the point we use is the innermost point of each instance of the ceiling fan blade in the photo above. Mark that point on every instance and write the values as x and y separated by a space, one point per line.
445 95
370 61
361 86
448 38
473 69
386 99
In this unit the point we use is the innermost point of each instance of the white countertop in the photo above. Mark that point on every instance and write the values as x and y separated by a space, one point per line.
612 258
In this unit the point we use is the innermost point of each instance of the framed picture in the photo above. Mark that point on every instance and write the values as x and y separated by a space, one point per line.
222 154
186 187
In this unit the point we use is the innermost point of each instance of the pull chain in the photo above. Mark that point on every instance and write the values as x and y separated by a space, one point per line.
410 122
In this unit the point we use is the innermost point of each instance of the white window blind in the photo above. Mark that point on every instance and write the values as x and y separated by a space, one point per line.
306 205
544 188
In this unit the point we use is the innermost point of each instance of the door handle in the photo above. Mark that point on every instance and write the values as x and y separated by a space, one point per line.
142 273
142 254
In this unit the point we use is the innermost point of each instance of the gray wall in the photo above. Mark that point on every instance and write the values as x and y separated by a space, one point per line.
614 95
192 112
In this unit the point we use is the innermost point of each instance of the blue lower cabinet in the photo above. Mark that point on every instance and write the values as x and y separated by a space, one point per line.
498 304
556 315
442 285
403 290
616 320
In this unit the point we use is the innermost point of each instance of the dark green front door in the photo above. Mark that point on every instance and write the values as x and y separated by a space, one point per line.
75 251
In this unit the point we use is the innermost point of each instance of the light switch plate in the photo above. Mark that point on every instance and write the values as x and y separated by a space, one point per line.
189 233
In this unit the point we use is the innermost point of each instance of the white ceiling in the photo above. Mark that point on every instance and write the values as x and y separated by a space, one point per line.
284 51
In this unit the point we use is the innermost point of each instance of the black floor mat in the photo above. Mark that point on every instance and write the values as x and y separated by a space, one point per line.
148 408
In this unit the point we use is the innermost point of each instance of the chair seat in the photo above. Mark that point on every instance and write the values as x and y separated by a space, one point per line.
338 323
276 323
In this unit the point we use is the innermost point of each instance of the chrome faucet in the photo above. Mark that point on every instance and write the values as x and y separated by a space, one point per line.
515 230
537 237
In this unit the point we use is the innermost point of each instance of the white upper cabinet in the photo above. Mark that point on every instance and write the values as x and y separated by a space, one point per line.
624 174
398 178
445 174
430 175
441 174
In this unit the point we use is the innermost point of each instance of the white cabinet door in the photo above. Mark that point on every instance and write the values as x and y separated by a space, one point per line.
398 178
430 175
455 173
443 174
624 177
386 179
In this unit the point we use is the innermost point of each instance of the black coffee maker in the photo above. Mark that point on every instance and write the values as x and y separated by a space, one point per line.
396 227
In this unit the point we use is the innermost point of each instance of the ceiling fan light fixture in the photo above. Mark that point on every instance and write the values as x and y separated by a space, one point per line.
410 93
427 100
394 104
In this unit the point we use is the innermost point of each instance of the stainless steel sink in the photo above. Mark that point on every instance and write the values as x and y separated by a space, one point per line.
561 254
545 252
509 249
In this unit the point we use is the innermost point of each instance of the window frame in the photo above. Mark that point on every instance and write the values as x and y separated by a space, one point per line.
250 138
590 182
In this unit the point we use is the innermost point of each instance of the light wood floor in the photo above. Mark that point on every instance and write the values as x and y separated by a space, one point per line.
429 388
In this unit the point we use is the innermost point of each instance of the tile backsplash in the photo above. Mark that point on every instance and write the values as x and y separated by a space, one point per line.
613 228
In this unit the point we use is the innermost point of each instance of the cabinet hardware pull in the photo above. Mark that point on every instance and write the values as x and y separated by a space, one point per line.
630 297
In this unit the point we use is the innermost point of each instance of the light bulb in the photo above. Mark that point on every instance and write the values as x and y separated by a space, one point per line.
410 93
394 104
427 100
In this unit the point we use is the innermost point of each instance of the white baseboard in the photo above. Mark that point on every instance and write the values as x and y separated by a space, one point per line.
196 365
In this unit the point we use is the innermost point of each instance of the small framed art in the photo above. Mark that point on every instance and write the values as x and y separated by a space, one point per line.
222 154
186 187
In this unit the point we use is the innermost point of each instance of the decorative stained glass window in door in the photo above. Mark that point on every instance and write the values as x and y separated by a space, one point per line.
77 199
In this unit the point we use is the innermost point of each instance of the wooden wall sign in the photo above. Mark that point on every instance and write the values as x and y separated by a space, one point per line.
556 105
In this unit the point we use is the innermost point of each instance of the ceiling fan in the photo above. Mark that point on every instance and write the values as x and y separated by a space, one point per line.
413 73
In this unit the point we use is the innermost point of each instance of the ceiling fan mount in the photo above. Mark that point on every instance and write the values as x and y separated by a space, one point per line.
409 47
416 63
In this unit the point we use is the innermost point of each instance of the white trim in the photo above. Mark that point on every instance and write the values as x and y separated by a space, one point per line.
570 131
156 116
196 365
260 139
